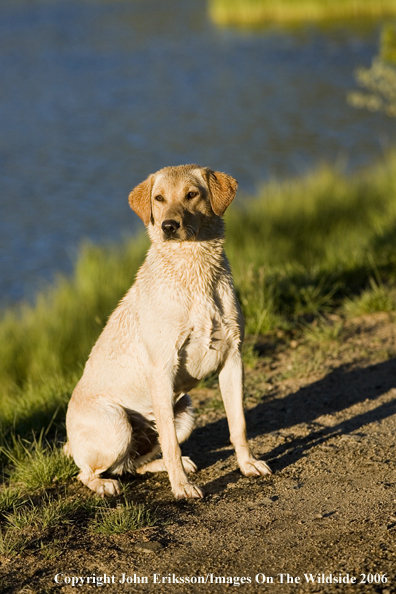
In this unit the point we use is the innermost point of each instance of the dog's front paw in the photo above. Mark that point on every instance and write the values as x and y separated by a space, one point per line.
255 468
187 491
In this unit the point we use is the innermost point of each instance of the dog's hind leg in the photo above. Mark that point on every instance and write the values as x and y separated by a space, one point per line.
96 451
184 422
184 417
159 466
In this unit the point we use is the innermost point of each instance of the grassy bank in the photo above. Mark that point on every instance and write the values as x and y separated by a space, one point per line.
256 13
303 251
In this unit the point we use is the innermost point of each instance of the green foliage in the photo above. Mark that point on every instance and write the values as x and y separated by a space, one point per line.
48 513
10 498
36 465
379 81
124 518
12 542
376 298
68 317
323 332
31 523
311 243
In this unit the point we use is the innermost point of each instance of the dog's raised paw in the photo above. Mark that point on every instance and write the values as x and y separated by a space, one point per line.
188 491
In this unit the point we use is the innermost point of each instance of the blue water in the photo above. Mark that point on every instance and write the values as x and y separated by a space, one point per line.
96 95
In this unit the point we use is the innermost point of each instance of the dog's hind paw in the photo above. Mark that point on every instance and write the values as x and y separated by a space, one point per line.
188 464
187 491
103 487
108 487
255 468
159 466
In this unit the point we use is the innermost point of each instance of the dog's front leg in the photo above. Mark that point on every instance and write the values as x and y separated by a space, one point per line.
162 398
231 387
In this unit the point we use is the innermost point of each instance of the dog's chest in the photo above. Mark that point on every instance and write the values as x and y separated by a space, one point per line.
204 348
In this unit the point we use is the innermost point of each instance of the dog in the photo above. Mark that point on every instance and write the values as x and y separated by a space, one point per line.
179 322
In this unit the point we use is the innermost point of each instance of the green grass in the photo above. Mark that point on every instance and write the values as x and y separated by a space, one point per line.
377 298
37 465
10 498
311 243
304 253
12 542
257 13
32 523
124 518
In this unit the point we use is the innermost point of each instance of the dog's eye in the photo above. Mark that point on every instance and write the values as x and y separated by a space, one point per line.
159 198
191 195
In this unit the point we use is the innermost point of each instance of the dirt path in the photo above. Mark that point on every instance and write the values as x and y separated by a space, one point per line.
329 508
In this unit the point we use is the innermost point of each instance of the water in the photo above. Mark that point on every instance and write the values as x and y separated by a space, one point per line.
96 95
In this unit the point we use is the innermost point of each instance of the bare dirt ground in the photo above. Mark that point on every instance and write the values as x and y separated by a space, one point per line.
323 415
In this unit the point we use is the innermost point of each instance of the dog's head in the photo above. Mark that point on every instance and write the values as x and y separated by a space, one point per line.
183 203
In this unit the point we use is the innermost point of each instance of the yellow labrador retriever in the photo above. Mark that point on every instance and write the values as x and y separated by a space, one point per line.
179 322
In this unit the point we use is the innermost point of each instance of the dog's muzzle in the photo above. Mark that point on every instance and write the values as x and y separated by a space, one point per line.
170 227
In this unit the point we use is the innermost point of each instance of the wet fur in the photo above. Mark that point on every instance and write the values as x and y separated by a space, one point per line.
179 322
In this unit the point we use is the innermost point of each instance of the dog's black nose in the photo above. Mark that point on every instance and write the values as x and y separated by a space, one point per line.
170 226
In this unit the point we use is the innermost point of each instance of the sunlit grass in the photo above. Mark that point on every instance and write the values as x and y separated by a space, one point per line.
36 464
32 522
10 498
376 298
12 542
256 13
307 244
124 518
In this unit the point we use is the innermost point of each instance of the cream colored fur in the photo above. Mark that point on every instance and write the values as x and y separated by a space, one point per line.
179 322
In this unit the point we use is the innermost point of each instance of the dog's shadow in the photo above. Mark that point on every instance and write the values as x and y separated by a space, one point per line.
337 391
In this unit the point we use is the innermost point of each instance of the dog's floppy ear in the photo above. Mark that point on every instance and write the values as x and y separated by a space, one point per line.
140 200
222 189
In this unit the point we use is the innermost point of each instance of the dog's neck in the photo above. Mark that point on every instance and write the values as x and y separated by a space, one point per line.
194 264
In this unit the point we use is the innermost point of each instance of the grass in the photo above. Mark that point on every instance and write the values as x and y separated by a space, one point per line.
32 523
124 518
36 465
377 298
311 244
306 253
258 13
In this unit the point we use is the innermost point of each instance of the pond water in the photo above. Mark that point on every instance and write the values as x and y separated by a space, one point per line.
95 95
